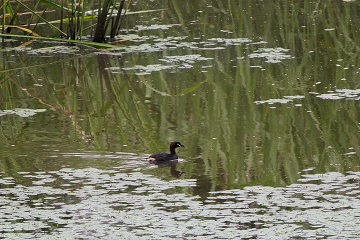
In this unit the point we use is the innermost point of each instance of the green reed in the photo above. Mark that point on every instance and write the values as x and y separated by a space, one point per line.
75 18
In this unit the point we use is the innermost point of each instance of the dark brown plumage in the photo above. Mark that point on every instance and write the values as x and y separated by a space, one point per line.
166 156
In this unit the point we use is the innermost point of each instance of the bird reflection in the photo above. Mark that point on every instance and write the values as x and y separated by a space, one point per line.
170 163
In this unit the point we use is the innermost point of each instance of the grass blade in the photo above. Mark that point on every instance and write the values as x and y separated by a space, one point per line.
23 29
36 14
91 44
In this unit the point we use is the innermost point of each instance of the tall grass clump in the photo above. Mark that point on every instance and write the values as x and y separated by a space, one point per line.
66 20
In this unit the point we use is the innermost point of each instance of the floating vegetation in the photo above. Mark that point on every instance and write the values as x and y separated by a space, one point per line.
181 62
286 99
272 55
158 45
16 49
146 47
56 50
170 39
272 101
332 96
294 97
155 43
185 59
230 41
155 27
348 94
91 203
22 112
142 70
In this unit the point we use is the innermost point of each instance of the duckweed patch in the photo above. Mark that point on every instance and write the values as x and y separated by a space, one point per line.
348 94
142 70
92 203
286 99
231 41
21 112
155 27
175 62
338 94
272 55
272 101
56 50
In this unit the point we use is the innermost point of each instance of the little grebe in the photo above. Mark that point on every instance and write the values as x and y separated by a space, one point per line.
166 156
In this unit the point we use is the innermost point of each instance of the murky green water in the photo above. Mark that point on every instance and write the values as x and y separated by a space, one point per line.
264 95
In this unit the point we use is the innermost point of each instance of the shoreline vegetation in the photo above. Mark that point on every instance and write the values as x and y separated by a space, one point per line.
92 24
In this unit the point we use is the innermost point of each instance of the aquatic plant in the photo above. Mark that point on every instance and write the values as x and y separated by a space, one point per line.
70 23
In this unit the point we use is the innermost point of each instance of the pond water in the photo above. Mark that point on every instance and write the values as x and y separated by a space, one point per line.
264 96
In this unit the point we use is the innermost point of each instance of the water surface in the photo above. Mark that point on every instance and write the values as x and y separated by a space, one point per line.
263 95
